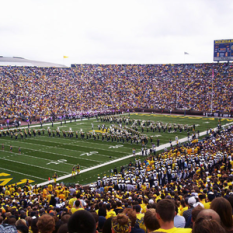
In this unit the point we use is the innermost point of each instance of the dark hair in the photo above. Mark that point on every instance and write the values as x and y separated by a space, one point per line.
63 228
150 220
207 225
102 212
77 203
223 208
137 208
81 222
196 211
107 228
166 209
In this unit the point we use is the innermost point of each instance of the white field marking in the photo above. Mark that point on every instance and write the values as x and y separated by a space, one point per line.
90 153
156 136
166 145
197 125
63 149
56 153
57 161
117 146
57 123
23 154
80 124
22 173
73 143
207 122
32 165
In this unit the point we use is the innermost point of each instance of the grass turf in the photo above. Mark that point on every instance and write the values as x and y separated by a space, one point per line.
41 156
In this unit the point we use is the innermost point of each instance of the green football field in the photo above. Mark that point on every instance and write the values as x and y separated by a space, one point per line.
42 155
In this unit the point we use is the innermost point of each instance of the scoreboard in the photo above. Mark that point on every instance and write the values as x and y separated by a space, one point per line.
223 50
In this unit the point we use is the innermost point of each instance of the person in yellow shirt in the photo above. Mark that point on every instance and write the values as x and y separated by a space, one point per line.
50 187
78 206
72 200
45 191
165 213
110 212
211 197
140 217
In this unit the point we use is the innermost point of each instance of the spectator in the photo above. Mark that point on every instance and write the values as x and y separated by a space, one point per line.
187 213
121 224
223 208
207 225
179 221
46 224
165 213
81 222
132 216
150 220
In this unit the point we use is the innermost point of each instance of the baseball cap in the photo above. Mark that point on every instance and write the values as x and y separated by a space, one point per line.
192 200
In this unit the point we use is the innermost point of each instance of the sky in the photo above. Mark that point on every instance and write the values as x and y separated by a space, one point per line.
114 32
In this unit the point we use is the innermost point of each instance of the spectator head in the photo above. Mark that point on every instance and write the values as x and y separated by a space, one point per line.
63 228
211 196
22 229
77 203
102 212
81 222
65 218
165 211
223 208
121 224
195 212
192 201
207 225
150 220
132 215
137 208
209 213
46 224
21 222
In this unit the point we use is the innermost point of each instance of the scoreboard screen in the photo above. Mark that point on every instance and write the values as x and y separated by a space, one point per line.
223 50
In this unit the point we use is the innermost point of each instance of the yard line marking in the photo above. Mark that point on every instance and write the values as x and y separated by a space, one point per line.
57 153
72 143
23 154
21 173
32 165
69 149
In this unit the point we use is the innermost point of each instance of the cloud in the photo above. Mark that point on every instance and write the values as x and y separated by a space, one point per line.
131 31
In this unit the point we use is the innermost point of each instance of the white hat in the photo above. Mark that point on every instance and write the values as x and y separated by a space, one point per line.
192 201
151 201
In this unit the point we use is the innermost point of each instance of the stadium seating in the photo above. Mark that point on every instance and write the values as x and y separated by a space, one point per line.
33 91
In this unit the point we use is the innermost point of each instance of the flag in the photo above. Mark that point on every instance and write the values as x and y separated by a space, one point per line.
185 53
65 56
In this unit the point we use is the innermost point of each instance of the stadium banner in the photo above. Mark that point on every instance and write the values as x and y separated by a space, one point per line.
223 50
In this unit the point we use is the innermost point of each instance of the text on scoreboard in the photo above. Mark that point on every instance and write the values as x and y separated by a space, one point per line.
223 50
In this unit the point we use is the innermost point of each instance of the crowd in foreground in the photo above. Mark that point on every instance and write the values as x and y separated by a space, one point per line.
36 91
199 202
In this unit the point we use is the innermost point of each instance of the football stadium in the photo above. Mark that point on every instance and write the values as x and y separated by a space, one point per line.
116 147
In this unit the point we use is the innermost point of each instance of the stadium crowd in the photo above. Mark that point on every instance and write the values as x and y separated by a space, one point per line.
143 197
34 91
